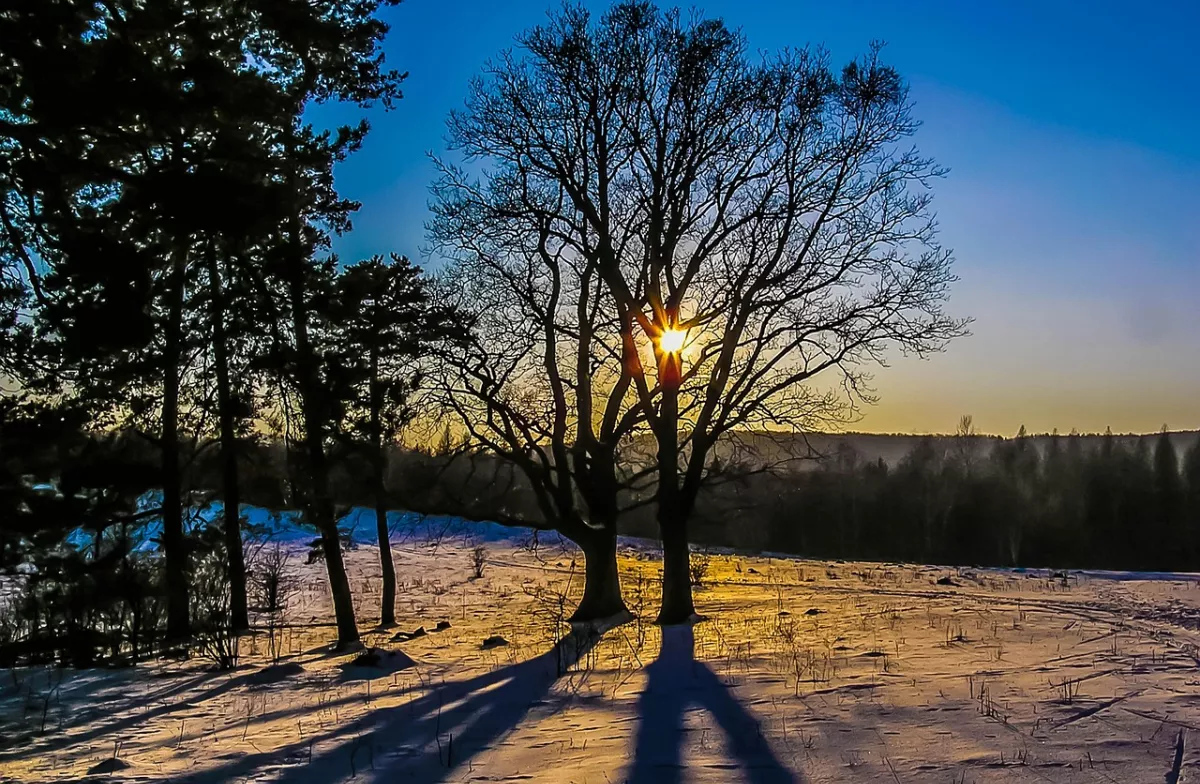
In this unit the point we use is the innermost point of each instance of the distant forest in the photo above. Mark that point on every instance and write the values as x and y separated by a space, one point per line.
1108 501
1062 501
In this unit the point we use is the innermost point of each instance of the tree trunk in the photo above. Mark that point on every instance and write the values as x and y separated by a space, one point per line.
323 517
173 541
387 602
387 609
677 604
325 521
321 504
339 584
238 615
314 412
601 582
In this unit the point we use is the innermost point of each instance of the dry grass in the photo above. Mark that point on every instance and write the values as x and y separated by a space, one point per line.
849 672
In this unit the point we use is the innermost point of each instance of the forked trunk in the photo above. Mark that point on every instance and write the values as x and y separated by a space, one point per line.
326 522
321 503
601 582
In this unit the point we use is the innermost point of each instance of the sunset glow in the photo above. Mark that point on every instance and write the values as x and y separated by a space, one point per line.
1084 318
671 340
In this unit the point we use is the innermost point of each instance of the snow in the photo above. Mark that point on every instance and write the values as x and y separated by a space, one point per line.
287 527
804 671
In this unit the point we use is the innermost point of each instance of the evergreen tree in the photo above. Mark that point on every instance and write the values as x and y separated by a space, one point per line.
1019 468
243 215
112 217
1170 531
383 321
1191 481
143 187
327 50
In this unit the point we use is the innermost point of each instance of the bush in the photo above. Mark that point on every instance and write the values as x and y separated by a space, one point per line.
478 561
698 563
214 638
272 588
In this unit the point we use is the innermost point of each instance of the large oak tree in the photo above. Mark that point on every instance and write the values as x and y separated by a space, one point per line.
768 206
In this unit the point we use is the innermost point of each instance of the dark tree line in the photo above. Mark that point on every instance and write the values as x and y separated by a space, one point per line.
1050 501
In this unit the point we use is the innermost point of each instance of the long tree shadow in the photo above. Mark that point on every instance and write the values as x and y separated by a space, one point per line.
675 681
131 712
426 739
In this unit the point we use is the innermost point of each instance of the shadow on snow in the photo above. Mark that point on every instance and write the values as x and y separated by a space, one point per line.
675 682
425 739
429 738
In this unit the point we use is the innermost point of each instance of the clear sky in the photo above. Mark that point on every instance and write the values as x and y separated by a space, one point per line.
1073 200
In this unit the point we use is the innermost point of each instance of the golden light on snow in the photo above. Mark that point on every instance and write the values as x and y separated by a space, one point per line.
671 340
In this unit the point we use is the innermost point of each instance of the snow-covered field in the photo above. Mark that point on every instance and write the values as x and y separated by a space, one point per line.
804 672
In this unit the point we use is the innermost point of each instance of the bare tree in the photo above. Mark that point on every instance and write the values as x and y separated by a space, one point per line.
539 382
755 222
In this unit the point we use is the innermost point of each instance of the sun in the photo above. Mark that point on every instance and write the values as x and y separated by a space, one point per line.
671 340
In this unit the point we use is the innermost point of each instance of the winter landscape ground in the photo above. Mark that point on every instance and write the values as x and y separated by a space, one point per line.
803 671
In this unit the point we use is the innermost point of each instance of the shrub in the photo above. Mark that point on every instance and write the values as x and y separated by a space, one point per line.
214 638
698 563
272 588
478 561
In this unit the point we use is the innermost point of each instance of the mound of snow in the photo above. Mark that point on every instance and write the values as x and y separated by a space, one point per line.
375 663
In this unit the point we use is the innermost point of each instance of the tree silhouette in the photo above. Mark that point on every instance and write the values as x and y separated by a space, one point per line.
764 207
242 213
536 382
102 185
383 325
314 53
1191 474
1170 532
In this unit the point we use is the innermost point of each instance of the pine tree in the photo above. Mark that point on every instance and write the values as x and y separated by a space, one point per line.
112 218
1191 479
1168 502
140 216
383 321
243 215
1019 467
312 53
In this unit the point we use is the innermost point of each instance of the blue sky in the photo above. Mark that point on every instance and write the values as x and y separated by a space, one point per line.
1072 202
